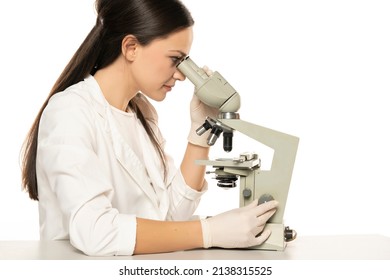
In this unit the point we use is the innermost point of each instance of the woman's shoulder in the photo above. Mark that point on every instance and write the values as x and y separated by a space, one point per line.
77 94
74 103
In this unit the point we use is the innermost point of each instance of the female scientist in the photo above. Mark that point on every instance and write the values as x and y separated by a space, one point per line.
94 156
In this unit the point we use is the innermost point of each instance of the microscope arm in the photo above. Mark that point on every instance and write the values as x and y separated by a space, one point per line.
277 180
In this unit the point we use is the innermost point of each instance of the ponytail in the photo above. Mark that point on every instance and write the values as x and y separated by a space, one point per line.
79 67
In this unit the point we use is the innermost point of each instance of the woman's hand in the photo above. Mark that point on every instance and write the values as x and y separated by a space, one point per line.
239 228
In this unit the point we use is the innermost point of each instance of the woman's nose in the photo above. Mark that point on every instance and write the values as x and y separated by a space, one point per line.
178 75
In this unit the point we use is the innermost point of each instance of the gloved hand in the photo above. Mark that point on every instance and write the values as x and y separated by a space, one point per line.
199 112
239 227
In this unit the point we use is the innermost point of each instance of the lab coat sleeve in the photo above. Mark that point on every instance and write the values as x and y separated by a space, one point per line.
69 168
183 199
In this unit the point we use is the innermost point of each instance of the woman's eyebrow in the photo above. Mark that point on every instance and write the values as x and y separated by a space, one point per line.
182 53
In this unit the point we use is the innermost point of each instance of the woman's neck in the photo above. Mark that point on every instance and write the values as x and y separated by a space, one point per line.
115 84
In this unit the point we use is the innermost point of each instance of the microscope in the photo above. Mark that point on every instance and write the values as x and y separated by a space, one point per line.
255 184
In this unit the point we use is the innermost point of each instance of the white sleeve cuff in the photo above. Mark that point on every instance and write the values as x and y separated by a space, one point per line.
127 229
183 199
186 191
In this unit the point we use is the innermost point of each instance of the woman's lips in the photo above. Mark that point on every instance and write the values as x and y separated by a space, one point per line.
168 87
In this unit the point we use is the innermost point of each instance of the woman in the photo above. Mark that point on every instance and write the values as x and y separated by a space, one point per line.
94 156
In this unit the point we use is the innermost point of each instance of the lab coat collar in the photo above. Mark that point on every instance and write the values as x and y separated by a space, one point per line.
124 154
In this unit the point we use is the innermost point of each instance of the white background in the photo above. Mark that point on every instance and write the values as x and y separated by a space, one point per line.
319 70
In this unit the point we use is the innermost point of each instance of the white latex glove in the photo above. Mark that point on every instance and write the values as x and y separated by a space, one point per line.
239 227
199 112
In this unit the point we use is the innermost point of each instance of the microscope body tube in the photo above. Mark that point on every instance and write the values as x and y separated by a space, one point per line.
212 90
194 73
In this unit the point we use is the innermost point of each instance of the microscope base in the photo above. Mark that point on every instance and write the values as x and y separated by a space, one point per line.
276 241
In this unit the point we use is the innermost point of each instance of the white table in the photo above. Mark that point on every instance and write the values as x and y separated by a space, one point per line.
338 247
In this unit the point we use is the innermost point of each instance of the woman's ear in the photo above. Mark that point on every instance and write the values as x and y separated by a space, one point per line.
129 47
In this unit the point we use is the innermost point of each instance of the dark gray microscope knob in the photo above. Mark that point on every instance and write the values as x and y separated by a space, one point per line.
265 198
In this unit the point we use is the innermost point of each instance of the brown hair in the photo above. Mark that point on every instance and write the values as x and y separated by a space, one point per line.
146 20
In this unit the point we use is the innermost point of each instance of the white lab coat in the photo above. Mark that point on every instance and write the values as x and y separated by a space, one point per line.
91 184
